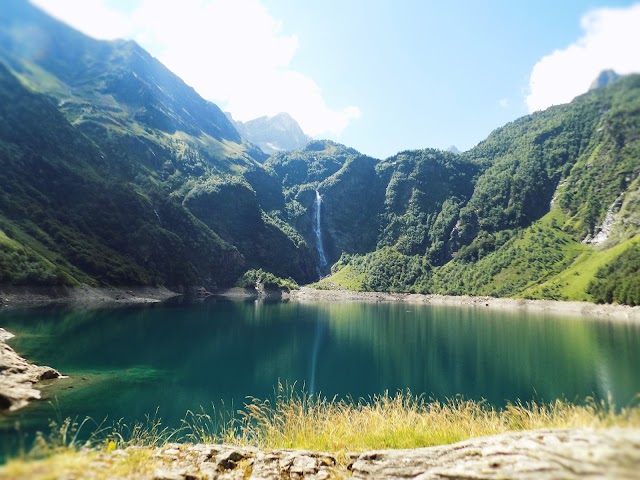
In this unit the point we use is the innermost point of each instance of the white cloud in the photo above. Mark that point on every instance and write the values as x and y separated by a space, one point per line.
92 17
611 40
232 52
504 102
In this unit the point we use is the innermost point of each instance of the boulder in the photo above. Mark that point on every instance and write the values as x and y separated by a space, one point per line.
18 377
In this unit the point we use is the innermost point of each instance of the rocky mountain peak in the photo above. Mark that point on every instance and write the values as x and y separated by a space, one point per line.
604 79
454 149
275 133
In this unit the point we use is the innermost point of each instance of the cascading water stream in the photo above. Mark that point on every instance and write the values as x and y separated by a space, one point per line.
319 333
317 229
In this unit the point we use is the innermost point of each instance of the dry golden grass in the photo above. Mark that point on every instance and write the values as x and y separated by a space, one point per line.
403 420
138 463
59 465
301 421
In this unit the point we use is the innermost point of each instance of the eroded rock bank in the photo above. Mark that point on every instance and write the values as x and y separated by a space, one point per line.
543 454
18 377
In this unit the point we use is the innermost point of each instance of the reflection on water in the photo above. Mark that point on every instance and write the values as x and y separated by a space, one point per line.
321 327
126 362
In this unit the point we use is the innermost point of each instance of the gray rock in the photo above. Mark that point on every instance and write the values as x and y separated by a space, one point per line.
223 462
167 475
18 377
604 78
542 454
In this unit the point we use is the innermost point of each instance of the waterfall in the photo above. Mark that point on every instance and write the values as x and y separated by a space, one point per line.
317 229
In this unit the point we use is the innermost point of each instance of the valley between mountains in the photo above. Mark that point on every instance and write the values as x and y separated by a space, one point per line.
114 172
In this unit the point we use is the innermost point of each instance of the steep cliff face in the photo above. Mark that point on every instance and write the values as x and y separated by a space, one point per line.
231 207
424 192
318 167
408 202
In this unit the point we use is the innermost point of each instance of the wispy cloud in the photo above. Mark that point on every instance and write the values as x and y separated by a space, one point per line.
504 102
232 52
611 40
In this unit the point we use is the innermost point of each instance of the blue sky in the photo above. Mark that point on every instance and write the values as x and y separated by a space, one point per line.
379 76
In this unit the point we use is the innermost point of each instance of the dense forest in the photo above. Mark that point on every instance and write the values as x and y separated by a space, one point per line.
115 172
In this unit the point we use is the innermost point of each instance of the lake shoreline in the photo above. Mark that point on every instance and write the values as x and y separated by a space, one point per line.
604 446
586 309
82 296
86 296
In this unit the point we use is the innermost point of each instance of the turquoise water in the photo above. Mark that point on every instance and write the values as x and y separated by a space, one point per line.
129 362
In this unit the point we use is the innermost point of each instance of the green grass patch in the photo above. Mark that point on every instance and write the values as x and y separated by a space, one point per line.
7 243
494 266
344 279
385 270
572 283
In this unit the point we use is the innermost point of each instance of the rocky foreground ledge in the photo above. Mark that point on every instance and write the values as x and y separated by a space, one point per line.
18 376
541 454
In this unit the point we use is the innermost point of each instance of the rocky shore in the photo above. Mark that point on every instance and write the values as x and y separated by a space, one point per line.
83 295
540 454
18 377
105 296
586 309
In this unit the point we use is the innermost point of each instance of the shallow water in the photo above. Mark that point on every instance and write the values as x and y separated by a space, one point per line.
130 362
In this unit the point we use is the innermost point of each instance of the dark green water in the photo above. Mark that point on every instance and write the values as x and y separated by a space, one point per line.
128 362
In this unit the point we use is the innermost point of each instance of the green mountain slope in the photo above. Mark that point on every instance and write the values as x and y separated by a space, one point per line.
324 166
549 191
65 220
154 134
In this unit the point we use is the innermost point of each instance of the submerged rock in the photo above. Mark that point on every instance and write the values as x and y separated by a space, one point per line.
18 377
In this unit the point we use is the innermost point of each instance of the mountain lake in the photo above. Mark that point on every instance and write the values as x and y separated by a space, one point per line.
130 362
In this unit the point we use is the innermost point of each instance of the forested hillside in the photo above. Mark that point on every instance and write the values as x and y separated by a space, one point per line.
67 218
551 193
115 172
149 183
